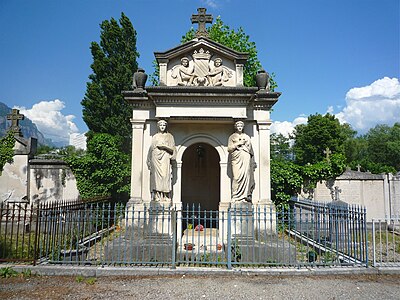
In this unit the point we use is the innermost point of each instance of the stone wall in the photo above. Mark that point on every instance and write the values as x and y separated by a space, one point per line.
32 180
51 180
379 193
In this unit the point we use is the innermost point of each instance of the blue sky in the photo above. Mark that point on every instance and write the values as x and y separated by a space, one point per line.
340 56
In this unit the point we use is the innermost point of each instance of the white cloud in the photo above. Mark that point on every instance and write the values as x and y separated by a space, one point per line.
50 121
210 3
377 103
286 128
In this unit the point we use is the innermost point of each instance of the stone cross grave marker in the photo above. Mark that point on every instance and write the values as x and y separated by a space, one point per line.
15 117
337 192
327 152
201 19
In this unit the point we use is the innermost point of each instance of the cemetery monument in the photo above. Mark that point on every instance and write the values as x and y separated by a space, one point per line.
216 151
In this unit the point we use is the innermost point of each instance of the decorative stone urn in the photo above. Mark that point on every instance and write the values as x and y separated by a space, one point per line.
262 78
139 79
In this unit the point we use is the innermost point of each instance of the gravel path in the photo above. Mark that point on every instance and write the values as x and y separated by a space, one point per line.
203 287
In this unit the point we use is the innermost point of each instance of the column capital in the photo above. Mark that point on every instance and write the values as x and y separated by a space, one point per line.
264 125
137 124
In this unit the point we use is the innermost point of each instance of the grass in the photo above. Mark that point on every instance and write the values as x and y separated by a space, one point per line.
17 246
88 280
8 272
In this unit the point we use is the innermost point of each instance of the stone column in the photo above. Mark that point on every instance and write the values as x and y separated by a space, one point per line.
137 161
225 200
176 197
265 208
264 169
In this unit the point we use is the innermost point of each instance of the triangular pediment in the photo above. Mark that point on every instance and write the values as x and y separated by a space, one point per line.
201 62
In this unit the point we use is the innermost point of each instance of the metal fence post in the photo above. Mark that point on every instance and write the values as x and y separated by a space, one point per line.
173 228
373 244
229 241
366 237
35 247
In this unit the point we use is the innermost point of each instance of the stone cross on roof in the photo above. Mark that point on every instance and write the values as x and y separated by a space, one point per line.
201 19
15 116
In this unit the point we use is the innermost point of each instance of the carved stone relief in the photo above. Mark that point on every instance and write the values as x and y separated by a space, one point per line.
201 70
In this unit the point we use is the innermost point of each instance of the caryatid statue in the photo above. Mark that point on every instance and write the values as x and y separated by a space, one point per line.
243 164
161 153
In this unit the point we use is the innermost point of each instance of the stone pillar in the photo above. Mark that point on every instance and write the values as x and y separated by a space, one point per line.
224 202
225 183
239 74
177 187
265 207
137 161
264 169
163 72
176 197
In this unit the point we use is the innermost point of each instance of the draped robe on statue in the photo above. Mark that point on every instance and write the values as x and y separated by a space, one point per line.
243 164
159 162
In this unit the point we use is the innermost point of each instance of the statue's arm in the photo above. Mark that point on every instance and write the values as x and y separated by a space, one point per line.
231 145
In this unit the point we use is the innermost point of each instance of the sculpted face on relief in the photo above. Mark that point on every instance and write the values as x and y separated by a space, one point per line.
201 70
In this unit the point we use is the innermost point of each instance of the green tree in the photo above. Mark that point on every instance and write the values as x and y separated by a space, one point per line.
355 149
384 145
114 62
286 181
320 132
280 147
103 170
7 143
378 151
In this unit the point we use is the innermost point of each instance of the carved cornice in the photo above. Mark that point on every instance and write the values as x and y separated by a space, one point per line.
198 96
240 57
264 100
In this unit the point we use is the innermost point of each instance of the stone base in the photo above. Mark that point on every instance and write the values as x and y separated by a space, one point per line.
242 221
265 214
257 252
138 250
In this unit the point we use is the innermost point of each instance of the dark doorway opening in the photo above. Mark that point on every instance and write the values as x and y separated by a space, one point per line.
200 185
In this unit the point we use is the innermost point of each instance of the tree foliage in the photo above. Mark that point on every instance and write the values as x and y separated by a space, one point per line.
7 143
286 181
103 170
280 147
289 178
114 62
320 132
378 151
290 174
384 145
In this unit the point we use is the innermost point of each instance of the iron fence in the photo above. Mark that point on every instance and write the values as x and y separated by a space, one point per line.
385 240
27 229
17 237
304 234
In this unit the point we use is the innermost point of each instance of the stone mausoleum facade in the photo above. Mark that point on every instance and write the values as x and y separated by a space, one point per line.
201 95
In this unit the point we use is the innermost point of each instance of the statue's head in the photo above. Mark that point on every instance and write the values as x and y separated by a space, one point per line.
184 61
217 62
239 125
162 125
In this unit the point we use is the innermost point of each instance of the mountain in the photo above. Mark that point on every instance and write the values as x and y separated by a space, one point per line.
28 128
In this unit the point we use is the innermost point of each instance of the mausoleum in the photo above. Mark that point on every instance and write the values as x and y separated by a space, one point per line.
200 98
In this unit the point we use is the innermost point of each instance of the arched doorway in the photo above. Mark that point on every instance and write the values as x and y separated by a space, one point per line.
201 179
